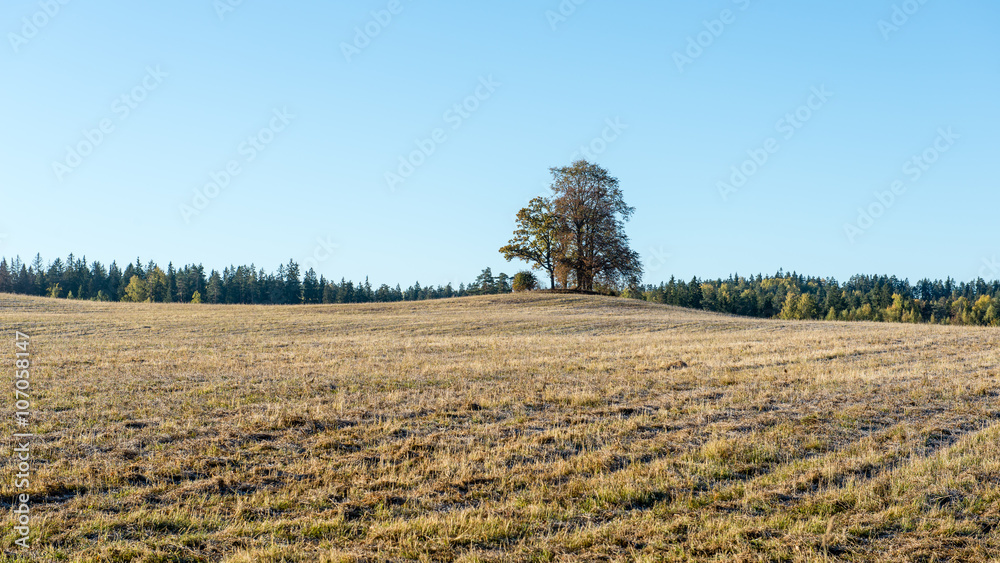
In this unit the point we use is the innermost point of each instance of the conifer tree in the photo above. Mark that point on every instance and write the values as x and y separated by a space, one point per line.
214 290
293 285
311 290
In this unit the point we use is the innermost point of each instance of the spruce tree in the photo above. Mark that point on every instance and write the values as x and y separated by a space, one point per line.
6 280
214 289
293 285
311 290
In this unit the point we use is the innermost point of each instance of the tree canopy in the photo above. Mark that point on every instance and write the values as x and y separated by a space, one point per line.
577 236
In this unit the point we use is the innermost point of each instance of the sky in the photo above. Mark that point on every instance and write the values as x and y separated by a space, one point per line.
397 139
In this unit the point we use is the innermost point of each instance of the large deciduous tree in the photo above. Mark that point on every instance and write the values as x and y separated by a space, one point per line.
592 214
578 235
536 237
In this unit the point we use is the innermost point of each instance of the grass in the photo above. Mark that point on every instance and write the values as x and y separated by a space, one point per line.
527 428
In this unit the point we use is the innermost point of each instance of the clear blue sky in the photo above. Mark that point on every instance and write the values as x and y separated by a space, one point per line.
197 85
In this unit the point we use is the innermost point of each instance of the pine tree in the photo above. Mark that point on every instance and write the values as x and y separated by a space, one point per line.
311 290
214 290
6 280
485 284
114 281
503 283
293 286
36 273
171 283
25 284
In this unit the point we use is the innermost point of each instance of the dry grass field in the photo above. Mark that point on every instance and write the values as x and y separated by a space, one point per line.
513 428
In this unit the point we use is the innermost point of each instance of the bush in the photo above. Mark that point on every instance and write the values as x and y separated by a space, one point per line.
525 281
633 293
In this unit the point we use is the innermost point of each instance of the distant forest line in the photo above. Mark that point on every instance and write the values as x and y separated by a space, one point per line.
784 295
862 298
76 279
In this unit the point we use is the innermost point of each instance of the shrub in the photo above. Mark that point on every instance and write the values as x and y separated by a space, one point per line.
525 281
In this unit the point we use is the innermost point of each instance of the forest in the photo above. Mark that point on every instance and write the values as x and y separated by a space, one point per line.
790 296
862 298
74 278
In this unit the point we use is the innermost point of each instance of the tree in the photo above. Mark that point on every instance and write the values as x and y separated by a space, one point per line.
591 213
293 286
98 281
196 298
980 310
158 285
114 280
485 284
25 284
502 284
578 236
214 289
330 291
535 238
789 311
524 281
993 315
137 291
806 307
37 275
312 292
171 283
6 280
55 290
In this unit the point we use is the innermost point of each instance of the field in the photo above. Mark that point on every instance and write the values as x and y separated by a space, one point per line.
508 428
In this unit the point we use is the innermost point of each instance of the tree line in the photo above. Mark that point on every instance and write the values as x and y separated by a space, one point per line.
75 278
782 296
862 298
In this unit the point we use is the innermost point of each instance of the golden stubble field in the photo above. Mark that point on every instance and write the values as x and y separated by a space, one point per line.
542 427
